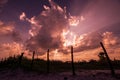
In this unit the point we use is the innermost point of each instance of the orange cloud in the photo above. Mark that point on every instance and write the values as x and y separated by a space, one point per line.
10 49
5 29
8 31
50 30
109 38
22 16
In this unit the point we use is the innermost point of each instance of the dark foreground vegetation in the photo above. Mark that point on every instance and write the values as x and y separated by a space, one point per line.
39 65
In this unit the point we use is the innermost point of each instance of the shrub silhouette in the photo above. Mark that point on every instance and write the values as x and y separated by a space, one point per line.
102 57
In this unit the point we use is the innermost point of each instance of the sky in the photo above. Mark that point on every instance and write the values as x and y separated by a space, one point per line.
39 25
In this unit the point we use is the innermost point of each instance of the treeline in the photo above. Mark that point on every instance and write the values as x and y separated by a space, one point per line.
40 65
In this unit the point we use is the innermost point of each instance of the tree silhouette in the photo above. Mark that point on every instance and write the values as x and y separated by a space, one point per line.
102 57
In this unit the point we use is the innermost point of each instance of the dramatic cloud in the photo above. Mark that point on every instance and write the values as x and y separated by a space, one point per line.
47 28
92 40
7 30
88 41
88 47
110 39
77 23
10 49
9 39
50 30
98 14
22 16
55 30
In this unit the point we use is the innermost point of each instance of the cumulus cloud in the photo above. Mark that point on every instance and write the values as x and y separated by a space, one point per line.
22 16
47 28
50 30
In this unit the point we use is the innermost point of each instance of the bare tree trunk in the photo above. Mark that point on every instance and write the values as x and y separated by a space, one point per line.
48 62
32 59
73 69
108 59
20 59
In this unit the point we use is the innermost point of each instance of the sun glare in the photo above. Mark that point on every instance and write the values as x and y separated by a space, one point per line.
73 21
69 38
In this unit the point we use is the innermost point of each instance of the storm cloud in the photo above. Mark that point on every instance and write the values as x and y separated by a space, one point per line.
47 28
